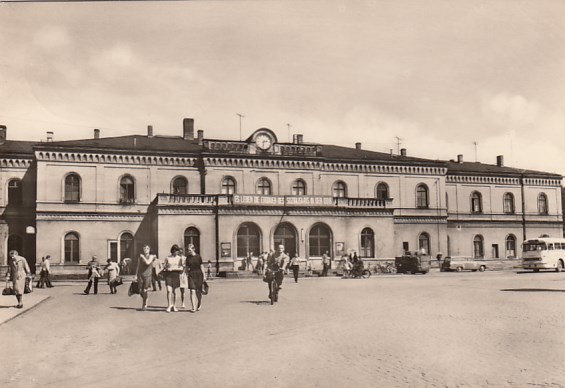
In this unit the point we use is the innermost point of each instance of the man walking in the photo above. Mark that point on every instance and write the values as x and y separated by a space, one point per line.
93 267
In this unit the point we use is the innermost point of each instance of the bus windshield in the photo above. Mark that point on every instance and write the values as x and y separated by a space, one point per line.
534 246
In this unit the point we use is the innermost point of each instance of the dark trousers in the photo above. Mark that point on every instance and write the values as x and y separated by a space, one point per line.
295 269
44 280
325 270
90 282
155 280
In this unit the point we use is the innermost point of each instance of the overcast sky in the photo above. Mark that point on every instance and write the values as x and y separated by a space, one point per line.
439 75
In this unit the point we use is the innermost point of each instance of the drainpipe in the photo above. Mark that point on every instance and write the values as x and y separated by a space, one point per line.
217 232
523 207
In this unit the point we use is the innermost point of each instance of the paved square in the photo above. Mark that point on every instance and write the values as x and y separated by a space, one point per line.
440 329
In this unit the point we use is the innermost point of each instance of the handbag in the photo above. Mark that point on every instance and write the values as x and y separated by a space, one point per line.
133 288
28 287
8 290
205 288
117 281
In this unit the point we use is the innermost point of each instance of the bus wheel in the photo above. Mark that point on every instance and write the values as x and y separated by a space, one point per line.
559 267
459 269
482 268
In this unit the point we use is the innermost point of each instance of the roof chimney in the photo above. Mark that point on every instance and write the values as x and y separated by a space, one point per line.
150 131
460 158
500 161
357 146
200 137
299 139
403 152
49 136
96 133
188 129
3 134
294 140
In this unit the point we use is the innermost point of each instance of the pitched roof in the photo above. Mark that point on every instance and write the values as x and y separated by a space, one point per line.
137 143
17 149
476 168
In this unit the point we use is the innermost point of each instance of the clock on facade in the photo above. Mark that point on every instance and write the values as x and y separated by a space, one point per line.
263 141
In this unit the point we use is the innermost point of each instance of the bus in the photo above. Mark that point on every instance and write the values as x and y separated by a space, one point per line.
543 253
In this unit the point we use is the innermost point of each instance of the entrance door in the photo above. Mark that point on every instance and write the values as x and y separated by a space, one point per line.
286 235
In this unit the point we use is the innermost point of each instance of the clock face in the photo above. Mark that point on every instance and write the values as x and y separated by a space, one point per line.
263 141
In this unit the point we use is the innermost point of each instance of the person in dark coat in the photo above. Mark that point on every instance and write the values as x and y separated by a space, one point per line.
195 272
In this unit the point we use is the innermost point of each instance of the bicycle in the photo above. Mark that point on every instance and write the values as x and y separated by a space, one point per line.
274 286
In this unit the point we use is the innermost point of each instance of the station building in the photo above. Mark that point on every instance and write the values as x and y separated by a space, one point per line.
106 196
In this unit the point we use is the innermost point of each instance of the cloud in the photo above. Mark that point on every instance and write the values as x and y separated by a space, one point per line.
52 37
510 110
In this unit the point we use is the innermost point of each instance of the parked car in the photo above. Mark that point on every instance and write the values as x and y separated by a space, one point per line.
412 263
462 264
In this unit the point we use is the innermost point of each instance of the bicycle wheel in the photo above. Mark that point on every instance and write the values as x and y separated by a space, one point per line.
274 291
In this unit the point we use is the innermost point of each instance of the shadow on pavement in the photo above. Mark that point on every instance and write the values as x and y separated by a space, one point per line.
532 290
257 302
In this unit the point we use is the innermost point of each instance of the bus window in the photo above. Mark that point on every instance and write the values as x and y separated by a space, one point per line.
550 247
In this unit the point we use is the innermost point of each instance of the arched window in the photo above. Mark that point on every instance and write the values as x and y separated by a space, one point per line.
319 240
15 192
422 200
509 203
424 243
72 245
127 190
542 204
367 243
180 185
72 188
248 240
382 191
339 190
126 246
478 247
228 186
511 246
264 187
192 236
299 187
476 202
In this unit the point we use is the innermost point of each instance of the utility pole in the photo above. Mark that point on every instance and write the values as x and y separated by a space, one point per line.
397 145
240 117
476 144
288 128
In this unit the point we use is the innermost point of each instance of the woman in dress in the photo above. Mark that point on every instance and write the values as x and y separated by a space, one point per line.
195 270
145 273
113 270
18 270
173 267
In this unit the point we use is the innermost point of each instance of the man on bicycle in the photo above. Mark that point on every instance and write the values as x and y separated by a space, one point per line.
275 265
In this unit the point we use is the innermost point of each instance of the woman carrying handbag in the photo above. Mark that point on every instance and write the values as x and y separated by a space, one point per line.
18 271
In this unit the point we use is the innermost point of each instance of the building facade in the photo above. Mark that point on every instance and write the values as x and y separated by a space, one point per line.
107 196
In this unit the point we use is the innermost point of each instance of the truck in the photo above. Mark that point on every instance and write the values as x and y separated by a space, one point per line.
412 263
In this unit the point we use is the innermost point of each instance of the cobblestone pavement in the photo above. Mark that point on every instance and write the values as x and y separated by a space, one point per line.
499 329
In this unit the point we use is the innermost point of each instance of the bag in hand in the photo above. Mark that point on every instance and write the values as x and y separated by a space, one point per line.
133 288
205 288
117 281
28 288
8 291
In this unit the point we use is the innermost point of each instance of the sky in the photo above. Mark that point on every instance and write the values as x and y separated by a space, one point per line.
437 77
